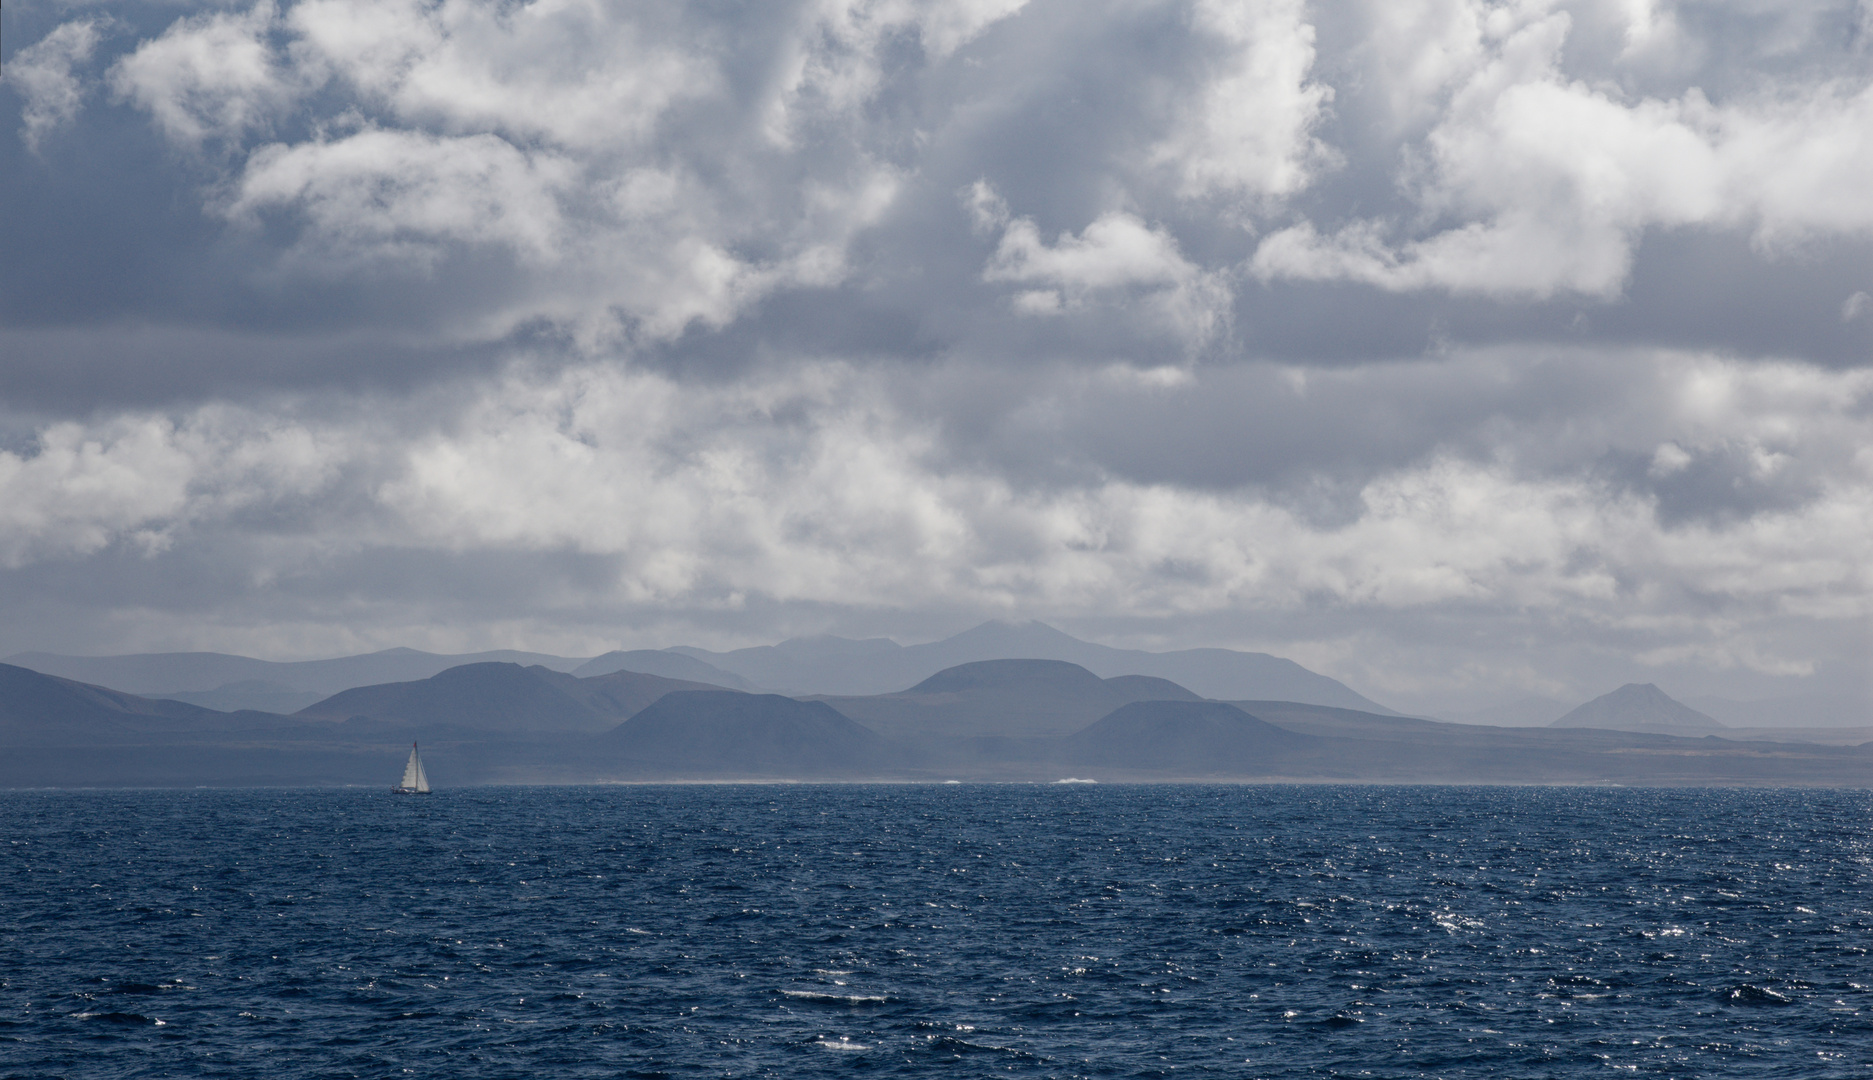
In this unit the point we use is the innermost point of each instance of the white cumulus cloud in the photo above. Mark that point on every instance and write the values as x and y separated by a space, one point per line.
1116 257
210 76
399 192
42 72
1553 180
1249 131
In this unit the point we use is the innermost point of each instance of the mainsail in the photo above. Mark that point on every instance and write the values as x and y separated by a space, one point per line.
414 779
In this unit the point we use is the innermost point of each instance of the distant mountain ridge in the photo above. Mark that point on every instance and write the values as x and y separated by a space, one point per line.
38 709
1020 720
664 662
1017 698
847 667
505 698
168 673
799 667
61 733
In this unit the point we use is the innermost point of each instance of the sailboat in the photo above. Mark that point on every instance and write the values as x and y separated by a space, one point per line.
415 781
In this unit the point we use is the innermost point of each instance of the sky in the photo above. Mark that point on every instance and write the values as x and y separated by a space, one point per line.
1463 351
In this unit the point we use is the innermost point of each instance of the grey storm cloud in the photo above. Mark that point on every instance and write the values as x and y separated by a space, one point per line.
1459 348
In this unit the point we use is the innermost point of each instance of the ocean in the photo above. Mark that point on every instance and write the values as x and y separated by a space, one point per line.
944 930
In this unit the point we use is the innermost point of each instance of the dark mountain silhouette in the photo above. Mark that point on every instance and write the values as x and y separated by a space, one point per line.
166 673
832 666
1188 738
670 665
1020 698
62 733
42 710
721 732
505 698
1639 707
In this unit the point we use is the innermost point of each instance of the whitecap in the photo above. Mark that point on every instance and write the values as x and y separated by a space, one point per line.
120 1018
841 999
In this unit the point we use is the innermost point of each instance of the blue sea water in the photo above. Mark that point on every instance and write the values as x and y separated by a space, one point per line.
1053 931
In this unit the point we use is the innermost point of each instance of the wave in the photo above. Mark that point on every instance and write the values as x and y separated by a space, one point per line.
1754 996
836 999
126 1018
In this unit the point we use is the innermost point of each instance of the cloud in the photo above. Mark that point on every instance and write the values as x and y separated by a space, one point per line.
43 73
655 174
829 485
141 481
1248 132
396 194
834 60
570 75
533 134
1116 257
1553 180
209 76
1449 345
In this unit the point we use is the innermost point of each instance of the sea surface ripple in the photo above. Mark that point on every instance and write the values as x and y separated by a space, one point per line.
1046 930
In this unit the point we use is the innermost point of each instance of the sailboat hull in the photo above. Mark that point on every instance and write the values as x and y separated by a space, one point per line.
407 791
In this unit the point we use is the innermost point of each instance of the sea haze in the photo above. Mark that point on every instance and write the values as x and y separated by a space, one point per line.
1026 930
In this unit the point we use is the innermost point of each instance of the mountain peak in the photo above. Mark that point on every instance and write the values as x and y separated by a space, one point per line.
1639 707
1000 674
1004 632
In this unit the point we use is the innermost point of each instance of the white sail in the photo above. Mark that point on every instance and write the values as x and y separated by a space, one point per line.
414 779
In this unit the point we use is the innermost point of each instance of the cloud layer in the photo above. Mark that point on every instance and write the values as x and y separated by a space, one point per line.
1458 349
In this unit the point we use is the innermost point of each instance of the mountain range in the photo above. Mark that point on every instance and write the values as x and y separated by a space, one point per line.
508 698
799 667
230 683
1004 698
844 666
1003 720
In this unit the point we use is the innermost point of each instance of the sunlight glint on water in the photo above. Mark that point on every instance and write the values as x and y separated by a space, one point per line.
1021 930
